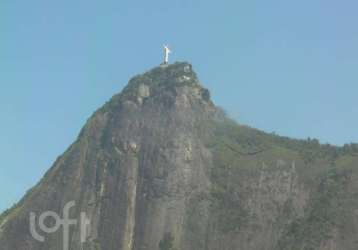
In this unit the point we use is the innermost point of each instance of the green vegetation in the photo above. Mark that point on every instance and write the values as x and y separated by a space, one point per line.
230 151
3 215
6 213
324 212
167 242
238 154
310 149
97 244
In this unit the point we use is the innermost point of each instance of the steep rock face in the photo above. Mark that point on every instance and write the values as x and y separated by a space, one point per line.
133 168
160 167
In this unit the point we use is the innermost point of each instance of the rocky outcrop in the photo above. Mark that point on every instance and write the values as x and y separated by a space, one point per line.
160 167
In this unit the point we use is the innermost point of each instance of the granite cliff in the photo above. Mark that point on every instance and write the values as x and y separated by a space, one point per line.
161 167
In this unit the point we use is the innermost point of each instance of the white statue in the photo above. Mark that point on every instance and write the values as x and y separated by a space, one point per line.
167 51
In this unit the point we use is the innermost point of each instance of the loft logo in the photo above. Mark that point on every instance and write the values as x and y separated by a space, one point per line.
66 222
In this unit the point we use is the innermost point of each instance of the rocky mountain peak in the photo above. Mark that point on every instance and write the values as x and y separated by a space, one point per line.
179 78
155 169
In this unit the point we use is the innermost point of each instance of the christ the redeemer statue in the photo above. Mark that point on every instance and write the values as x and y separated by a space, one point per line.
166 54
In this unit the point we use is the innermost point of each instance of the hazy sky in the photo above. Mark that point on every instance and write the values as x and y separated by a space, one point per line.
284 66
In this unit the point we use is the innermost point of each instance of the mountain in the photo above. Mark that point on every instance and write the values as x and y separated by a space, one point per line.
159 166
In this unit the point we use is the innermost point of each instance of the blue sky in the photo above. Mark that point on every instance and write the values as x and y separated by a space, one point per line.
283 66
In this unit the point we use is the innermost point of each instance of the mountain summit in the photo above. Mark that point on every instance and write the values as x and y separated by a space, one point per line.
160 167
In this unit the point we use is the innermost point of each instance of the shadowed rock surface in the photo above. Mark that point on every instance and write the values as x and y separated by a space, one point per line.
161 167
